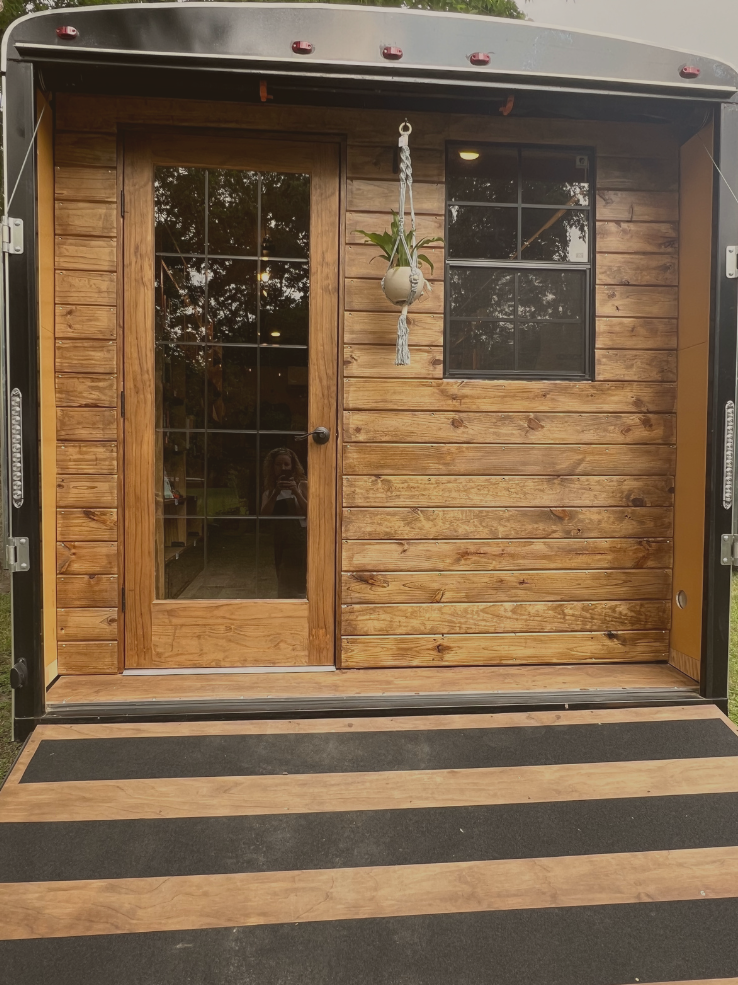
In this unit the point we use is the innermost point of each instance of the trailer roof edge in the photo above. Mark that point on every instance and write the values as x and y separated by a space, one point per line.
349 40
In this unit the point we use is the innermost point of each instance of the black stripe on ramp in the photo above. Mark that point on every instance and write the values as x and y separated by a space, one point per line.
594 945
68 850
57 760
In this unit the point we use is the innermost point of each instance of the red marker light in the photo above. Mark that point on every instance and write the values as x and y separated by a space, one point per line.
394 54
303 47
479 58
689 71
67 33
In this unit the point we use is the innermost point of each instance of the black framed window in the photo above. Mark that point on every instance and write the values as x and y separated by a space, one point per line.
519 246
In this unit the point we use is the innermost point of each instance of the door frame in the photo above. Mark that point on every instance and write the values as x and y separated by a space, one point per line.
156 642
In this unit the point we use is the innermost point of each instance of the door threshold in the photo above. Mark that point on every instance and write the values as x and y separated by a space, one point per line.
190 671
177 710
367 691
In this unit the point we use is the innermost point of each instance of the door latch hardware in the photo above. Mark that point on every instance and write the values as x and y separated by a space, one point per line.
731 262
17 554
16 448
19 674
729 455
12 235
321 436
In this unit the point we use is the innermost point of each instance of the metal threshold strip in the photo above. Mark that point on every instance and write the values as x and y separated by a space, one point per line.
207 671
338 704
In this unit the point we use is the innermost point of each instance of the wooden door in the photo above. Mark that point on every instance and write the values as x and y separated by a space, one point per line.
230 336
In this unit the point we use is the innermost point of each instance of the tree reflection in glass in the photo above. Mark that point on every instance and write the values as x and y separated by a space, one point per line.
232 306
518 261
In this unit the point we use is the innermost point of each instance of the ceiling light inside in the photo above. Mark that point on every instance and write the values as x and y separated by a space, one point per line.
468 155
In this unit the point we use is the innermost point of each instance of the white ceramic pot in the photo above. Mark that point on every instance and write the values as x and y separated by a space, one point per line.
398 287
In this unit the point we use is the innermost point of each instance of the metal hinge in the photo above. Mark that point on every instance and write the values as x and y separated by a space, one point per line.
17 554
729 549
123 600
731 262
12 235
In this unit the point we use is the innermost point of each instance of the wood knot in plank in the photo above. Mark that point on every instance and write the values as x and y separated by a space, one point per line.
370 578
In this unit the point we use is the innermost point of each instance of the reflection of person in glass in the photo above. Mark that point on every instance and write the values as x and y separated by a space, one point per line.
285 495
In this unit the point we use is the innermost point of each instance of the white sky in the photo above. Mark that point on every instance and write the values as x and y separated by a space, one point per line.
707 27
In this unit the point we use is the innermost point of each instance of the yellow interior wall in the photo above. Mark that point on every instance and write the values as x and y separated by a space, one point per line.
45 173
695 242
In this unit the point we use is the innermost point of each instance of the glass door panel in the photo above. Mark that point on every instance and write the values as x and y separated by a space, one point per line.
232 282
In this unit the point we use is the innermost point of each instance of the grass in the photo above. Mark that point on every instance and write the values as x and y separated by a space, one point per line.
8 748
733 662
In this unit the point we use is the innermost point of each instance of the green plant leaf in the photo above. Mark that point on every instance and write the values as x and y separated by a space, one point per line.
383 240
428 240
422 257
386 242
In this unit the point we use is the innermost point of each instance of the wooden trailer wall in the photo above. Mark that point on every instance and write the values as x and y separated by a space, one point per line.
693 358
484 522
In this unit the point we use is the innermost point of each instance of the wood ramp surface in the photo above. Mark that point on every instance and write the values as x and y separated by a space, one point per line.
590 847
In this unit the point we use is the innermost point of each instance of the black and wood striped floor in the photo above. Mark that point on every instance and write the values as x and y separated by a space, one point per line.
574 848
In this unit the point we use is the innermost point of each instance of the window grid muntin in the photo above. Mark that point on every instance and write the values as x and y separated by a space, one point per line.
519 264
208 345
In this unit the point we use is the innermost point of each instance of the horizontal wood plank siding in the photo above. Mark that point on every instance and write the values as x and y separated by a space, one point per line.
515 586
418 491
523 396
448 459
88 658
383 555
503 617
475 428
504 521
87 392
87 490
86 557
484 521
474 649
516 522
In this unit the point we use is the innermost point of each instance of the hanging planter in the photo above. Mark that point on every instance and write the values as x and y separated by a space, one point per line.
403 283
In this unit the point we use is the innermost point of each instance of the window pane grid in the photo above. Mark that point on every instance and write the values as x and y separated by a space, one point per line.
239 256
496 324
213 516
510 205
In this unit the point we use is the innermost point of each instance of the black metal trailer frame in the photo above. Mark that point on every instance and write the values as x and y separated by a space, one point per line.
222 50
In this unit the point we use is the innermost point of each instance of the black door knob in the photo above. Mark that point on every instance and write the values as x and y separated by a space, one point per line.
321 436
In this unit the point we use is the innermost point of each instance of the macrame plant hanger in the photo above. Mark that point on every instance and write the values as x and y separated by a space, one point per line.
417 282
